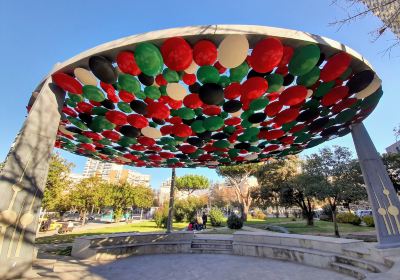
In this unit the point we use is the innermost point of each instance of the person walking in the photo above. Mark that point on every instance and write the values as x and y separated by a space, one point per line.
204 220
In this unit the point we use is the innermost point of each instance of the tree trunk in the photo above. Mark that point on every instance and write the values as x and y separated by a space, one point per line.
171 202
141 213
245 211
310 214
276 210
335 225
84 218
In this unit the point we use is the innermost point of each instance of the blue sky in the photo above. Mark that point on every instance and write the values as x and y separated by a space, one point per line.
37 34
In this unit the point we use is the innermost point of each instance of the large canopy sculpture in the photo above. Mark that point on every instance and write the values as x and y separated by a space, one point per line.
194 96
175 99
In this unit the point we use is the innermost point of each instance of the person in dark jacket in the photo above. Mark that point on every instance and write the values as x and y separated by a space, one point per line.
204 220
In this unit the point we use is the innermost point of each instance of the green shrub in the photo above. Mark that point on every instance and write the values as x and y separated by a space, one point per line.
325 218
348 218
326 214
179 215
161 217
369 221
186 209
216 217
258 214
234 222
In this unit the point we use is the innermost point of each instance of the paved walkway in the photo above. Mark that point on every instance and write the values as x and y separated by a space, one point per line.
189 266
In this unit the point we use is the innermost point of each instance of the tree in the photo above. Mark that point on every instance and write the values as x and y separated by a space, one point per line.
57 184
237 177
387 10
142 197
191 183
339 179
392 163
122 196
222 196
83 196
272 177
396 132
301 190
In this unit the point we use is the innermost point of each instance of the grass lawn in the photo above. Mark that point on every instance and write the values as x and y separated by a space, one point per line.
300 226
146 226
259 223
323 227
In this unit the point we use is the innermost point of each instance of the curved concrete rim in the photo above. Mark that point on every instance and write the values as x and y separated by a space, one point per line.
216 32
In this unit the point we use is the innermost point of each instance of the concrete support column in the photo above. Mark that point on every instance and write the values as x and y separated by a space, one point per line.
171 202
382 196
23 179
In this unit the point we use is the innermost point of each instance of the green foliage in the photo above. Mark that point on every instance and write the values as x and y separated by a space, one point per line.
273 177
234 222
237 176
348 218
191 183
161 217
216 217
57 184
326 214
258 214
186 209
369 221
392 163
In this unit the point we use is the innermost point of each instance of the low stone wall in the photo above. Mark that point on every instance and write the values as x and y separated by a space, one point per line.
309 250
321 243
114 246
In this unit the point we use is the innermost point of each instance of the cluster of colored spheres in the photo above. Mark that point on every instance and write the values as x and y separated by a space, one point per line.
184 104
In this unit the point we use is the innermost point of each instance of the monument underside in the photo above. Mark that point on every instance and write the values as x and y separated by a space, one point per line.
213 95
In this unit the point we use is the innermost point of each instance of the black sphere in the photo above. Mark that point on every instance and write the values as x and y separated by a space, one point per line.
194 88
108 104
360 81
103 69
211 94
257 117
146 80
232 106
129 131
139 107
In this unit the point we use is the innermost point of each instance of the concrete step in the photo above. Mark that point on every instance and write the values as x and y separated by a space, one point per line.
212 246
365 254
349 270
211 251
363 264
211 241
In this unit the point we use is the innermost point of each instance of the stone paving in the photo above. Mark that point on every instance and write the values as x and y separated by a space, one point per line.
190 266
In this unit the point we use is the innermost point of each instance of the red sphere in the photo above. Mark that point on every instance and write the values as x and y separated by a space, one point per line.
293 95
67 83
254 88
137 121
181 130
204 53
127 63
336 94
158 110
273 108
126 96
192 101
112 135
232 91
116 117
266 55
177 53
335 66
189 79
287 56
